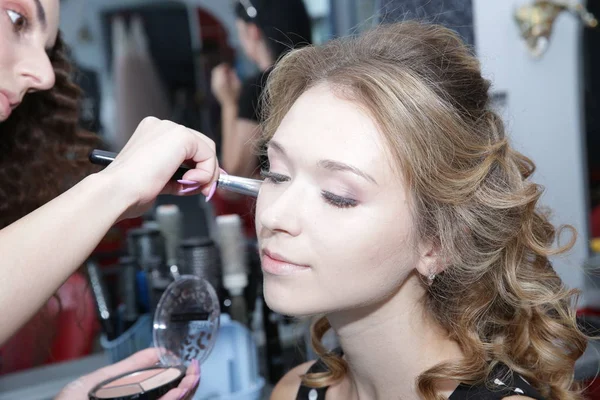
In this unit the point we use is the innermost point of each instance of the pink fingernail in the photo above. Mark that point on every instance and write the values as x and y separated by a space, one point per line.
189 189
182 395
187 182
213 188
197 371
223 171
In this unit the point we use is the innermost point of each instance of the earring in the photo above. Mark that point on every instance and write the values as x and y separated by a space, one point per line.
430 278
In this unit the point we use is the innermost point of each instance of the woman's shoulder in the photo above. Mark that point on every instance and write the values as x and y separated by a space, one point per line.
287 387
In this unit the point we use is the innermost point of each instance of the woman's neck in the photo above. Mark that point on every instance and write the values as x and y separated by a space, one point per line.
389 344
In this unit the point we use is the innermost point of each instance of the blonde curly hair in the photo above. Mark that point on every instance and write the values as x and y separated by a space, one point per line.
499 297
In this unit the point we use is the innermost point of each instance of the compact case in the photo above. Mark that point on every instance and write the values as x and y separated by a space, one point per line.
185 329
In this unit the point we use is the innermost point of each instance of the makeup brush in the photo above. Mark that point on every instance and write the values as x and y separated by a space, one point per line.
237 184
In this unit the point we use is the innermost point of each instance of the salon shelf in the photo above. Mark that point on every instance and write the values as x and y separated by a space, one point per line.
46 382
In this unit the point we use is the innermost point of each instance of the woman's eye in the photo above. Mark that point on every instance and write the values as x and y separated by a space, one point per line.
273 177
18 20
330 198
338 201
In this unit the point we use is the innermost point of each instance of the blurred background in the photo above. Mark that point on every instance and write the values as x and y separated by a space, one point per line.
155 57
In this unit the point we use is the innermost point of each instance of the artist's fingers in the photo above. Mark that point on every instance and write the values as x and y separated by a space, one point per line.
140 360
175 394
188 385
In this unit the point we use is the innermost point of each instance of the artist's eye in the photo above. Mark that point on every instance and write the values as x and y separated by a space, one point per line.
18 20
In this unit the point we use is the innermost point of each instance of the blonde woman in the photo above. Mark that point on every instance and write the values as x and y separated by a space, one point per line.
396 209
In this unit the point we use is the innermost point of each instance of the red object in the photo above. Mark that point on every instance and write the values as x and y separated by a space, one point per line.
595 222
115 241
213 31
592 387
66 331
56 333
227 203
592 390
594 312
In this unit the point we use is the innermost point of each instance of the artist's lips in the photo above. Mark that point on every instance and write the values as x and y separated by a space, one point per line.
277 264
5 108
8 102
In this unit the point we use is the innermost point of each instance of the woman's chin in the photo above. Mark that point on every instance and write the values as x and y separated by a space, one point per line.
288 304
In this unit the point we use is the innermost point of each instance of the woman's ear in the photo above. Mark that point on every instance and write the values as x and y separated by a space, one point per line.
430 261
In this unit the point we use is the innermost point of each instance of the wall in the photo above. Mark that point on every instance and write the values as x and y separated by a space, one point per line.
544 113
75 13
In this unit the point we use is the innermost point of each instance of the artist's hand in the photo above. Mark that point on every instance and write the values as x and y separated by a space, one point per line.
225 85
144 167
79 389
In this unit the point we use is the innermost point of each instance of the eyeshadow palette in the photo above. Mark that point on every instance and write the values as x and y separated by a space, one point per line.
185 329
148 384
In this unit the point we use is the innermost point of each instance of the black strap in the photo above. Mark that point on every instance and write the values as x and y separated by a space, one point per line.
503 383
308 393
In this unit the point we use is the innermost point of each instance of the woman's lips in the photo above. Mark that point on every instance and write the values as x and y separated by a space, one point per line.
275 264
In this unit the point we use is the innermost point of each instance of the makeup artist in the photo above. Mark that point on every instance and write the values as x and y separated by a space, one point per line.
51 219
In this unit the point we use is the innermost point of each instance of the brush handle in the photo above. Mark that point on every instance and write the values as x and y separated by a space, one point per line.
237 184
104 158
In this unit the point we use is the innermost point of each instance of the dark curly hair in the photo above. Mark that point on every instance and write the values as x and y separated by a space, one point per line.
43 151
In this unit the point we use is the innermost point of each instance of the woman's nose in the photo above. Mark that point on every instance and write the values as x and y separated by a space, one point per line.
38 71
280 210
